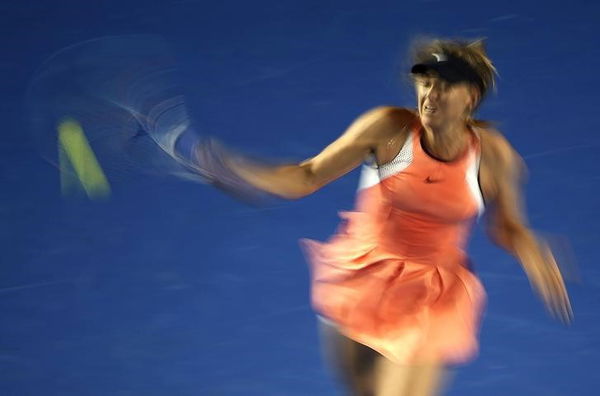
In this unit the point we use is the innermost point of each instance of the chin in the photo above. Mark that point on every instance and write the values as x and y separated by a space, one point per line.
428 121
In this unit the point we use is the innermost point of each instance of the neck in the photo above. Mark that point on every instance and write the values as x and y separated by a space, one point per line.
447 141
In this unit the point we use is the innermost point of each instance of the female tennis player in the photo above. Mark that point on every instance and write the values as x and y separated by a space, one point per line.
397 300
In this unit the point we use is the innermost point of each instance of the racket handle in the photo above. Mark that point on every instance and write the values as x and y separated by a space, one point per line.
211 162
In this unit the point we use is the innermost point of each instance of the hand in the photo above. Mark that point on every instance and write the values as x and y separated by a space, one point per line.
546 279
223 169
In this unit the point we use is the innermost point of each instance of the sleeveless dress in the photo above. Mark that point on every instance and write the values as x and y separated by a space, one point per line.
395 276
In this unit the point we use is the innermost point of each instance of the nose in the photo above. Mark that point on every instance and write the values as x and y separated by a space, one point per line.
433 91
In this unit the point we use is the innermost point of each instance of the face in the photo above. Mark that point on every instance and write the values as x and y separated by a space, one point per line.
441 103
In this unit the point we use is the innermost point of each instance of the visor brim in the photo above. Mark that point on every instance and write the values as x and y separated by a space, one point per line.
443 70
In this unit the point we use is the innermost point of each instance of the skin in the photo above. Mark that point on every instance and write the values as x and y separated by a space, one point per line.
444 111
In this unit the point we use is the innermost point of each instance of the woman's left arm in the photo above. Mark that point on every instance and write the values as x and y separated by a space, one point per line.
501 172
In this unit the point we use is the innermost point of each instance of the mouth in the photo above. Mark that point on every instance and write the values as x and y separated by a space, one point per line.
429 109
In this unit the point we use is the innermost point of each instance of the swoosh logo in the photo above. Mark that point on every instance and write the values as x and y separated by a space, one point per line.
440 57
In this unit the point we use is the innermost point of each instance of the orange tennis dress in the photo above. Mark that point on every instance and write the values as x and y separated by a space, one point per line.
395 276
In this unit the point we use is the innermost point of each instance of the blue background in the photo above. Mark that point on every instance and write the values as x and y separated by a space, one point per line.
173 288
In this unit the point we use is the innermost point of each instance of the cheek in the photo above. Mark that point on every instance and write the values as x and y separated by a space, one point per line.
458 104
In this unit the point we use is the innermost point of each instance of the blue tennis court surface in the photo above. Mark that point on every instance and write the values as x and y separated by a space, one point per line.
172 288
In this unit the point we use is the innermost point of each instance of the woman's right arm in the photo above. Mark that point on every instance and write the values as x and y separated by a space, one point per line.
340 157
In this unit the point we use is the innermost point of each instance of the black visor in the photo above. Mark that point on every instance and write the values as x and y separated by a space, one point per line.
449 68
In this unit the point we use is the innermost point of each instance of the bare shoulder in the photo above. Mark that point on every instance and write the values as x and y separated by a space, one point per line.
501 168
398 116
496 150
388 119
397 113
391 131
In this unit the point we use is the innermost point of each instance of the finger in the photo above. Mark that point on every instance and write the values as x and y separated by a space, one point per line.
568 309
558 294
550 290
562 307
560 304
554 302
563 297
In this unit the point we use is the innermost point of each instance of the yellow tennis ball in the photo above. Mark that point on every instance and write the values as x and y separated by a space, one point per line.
76 154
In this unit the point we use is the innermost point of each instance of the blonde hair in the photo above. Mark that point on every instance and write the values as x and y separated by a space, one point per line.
472 52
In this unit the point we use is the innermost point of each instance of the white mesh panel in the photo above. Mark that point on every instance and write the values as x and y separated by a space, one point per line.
371 174
473 182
